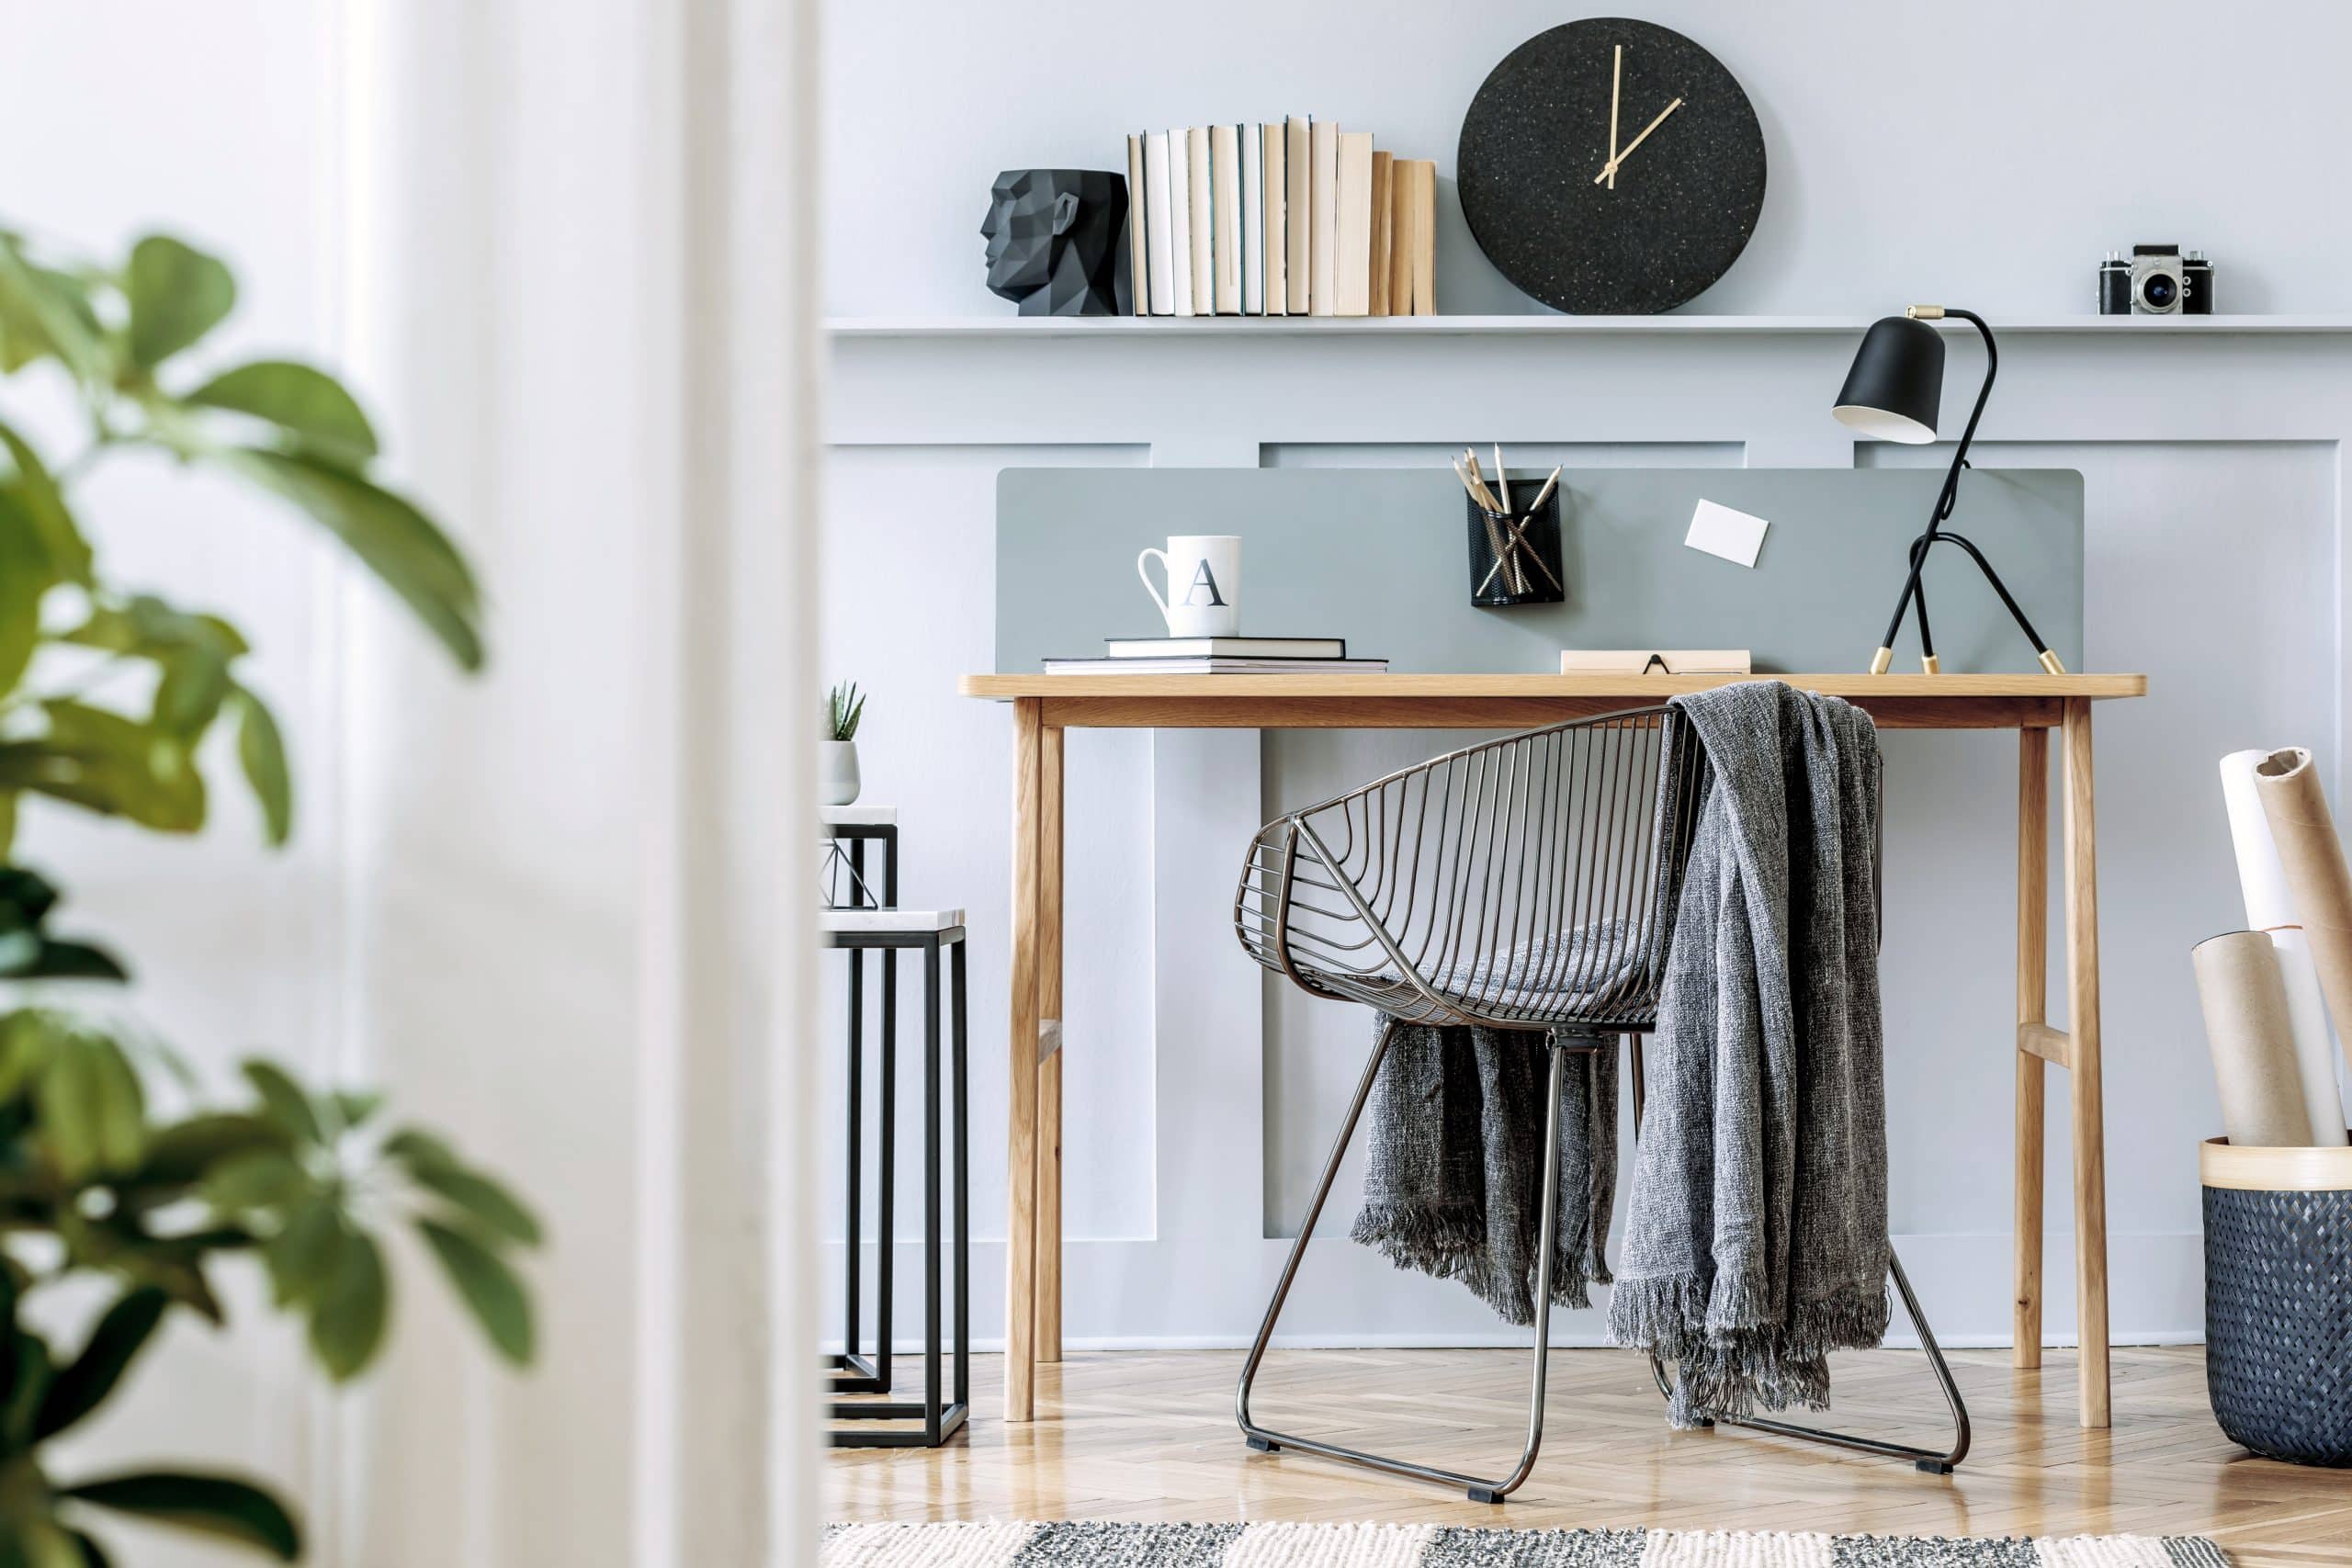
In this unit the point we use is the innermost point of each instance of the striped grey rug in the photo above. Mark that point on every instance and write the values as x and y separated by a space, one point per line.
1025 1544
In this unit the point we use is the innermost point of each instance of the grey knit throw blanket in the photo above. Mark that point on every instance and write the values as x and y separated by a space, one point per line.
1756 1240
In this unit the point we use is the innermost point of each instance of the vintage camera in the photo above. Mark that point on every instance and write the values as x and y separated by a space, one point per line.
2157 281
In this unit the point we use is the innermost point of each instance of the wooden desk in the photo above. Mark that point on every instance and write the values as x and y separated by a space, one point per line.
2033 705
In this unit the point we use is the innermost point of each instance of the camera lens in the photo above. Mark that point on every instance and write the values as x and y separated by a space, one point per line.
2159 289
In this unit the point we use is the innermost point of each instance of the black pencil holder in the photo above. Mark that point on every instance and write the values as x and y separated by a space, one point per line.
1515 556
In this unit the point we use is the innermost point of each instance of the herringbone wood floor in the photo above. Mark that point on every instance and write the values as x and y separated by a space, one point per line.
1150 1435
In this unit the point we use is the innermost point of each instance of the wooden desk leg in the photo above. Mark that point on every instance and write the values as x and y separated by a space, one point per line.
1049 1067
2033 1007
2090 1127
1021 1086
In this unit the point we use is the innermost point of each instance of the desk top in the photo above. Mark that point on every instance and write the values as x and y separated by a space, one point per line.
1502 701
1639 688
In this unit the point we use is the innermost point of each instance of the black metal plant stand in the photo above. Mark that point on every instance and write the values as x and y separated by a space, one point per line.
941 1410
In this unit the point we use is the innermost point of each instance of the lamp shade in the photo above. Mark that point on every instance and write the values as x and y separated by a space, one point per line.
1896 386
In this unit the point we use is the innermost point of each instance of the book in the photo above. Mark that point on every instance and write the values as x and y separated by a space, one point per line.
1298 209
1400 238
1654 661
1217 666
1424 203
1156 226
1196 142
1138 264
1274 233
1253 209
1180 225
1323 245
1225 647
1351 261
1225 203
1384 211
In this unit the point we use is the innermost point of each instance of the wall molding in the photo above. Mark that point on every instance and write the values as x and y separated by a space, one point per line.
2248 417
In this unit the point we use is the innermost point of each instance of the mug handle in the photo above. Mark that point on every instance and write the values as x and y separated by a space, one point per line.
1156 597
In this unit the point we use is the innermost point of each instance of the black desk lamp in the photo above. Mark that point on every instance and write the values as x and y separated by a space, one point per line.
1894 393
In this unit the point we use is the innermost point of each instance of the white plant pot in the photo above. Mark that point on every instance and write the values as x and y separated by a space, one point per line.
837 783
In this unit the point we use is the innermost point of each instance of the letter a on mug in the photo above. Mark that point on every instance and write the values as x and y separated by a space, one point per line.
1209 566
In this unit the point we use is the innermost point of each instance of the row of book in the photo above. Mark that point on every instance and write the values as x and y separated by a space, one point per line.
1295 219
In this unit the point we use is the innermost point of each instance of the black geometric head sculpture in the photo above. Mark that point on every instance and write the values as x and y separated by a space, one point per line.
1054 238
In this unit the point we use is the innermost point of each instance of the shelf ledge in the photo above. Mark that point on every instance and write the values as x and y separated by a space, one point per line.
1546 325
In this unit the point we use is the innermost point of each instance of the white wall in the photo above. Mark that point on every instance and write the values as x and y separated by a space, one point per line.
1985 153
2033 121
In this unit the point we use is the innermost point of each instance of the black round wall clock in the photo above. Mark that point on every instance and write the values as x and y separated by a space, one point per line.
1611 167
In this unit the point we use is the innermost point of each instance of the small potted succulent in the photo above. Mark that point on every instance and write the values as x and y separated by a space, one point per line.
837 782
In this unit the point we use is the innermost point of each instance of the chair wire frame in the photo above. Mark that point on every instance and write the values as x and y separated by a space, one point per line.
1525 883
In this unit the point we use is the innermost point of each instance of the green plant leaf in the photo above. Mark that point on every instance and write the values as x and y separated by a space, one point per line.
348 1316
416 1148
208 1504
84 1383
258 1178
481 1199
304 1257
93 1554
46 312
405 549
25 579
187 698
185 1152
28 1385
67 1092
45 508
307 403
121 1104
355 1108
282 1098
261 753
105 763
177 294
487 1286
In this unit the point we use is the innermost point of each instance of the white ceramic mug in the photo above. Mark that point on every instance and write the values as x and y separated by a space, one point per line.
1204 597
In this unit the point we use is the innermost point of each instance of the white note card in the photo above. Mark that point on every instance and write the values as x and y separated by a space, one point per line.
1720 531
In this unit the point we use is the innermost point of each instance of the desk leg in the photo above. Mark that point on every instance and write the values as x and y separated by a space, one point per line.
1020 1084
2033 1007
2090 1134
1049 1067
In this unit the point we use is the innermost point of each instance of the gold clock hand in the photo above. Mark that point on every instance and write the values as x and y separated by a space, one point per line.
1608 171
1616 76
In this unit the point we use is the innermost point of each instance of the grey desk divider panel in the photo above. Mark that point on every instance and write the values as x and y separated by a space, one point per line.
1379 557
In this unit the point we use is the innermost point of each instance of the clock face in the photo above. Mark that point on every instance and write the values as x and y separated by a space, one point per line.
1611 167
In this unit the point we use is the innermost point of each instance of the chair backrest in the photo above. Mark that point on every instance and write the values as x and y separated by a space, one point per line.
1525 883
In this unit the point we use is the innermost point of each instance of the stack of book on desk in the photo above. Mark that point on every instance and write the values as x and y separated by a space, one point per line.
1220 656
1289 218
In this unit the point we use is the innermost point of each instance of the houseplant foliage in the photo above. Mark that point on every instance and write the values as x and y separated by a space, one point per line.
113 1173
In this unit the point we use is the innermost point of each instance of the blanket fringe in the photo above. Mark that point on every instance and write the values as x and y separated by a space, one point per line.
1450 1243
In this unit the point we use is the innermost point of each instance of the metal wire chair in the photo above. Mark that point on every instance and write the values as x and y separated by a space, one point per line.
1523 883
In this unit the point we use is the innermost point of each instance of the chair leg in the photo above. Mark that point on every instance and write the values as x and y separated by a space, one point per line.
1926 1459
1266 1440
1930 1460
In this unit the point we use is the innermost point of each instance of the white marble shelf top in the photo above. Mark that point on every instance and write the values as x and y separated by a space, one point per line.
858 816
888 919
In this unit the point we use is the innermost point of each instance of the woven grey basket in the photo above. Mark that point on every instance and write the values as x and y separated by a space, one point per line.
2278 1318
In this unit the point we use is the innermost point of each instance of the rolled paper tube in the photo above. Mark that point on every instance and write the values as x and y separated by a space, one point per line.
2253 1052
2312 857
2307 1023
2261 878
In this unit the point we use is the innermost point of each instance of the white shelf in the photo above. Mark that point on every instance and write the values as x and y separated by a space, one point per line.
1545 325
